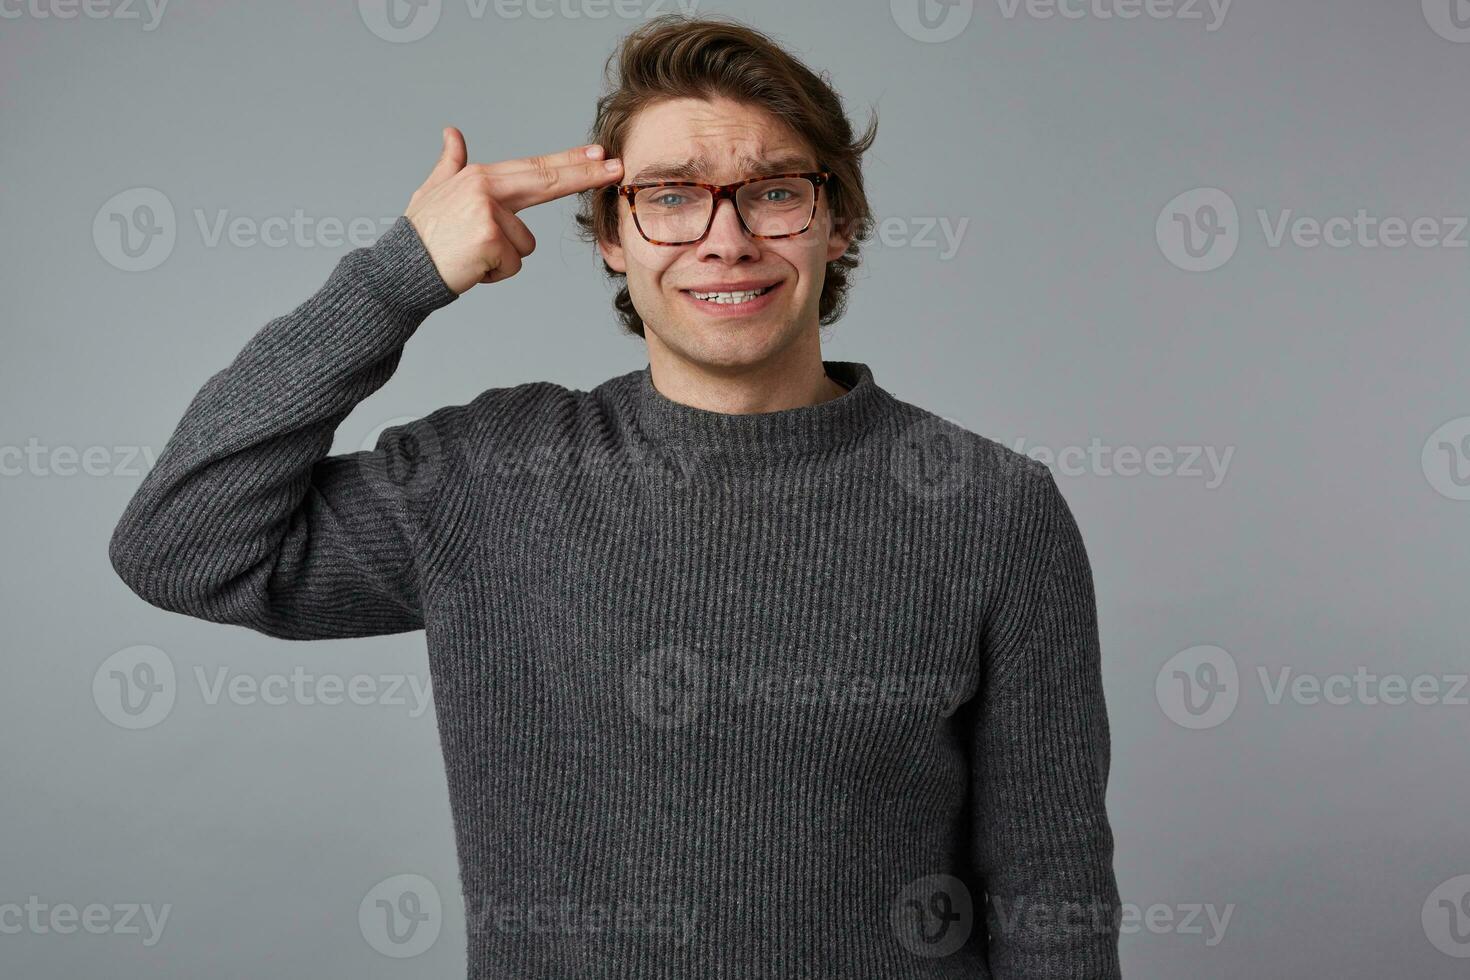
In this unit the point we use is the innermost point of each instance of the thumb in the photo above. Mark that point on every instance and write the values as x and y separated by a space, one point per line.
451 159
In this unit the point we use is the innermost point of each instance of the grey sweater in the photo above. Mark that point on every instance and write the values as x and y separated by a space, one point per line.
807 693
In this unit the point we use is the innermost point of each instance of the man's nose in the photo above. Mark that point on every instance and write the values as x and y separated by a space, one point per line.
727 238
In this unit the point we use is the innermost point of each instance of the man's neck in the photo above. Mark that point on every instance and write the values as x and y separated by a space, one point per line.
794 380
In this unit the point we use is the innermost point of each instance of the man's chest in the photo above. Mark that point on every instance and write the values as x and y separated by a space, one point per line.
777 599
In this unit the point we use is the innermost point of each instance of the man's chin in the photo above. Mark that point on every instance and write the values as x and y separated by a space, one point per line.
723 346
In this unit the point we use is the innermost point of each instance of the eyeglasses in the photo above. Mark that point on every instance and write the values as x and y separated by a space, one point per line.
677 212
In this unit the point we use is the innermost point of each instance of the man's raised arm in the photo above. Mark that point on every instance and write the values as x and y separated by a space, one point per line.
244 518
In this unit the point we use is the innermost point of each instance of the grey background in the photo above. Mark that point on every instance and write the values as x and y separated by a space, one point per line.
1325 828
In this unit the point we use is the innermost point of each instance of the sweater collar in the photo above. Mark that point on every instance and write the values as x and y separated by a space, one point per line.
807 428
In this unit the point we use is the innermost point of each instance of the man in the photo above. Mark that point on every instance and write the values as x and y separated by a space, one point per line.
742 666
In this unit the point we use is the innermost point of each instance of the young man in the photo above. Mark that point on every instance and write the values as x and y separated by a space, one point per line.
742 666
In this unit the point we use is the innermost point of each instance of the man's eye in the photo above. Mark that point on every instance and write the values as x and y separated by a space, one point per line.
668 200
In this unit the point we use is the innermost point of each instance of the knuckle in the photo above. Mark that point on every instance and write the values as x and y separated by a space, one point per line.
545 172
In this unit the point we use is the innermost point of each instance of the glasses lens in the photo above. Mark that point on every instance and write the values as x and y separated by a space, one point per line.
673 214
779 206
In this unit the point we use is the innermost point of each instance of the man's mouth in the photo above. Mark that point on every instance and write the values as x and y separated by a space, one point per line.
744 298
731 296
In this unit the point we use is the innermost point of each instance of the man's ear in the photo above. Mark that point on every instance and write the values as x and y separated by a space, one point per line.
613 255
837 242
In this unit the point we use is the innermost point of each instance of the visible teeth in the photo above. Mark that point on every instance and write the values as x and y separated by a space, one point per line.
744 297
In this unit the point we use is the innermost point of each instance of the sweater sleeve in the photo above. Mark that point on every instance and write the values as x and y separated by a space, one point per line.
245 519
1042 844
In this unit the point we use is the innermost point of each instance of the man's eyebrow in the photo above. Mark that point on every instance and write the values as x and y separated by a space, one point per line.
695 168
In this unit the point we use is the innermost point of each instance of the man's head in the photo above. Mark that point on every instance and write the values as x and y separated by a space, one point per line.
717 102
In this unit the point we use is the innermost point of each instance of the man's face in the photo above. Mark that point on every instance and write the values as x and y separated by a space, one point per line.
728 141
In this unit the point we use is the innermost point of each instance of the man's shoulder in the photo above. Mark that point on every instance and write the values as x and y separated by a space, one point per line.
529 413
967 461
516 406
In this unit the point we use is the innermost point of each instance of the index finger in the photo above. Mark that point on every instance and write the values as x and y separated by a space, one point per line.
546 161
522 188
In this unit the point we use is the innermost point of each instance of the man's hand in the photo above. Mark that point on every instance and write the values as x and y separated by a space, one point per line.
465 214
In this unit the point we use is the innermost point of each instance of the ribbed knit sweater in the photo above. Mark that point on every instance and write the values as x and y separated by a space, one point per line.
807 693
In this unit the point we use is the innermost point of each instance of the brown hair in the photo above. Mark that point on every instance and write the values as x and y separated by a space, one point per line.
676 56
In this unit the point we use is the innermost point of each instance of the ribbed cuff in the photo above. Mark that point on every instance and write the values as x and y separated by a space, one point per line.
400 272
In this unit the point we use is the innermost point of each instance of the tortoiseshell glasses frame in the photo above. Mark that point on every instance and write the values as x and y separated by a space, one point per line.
718 193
